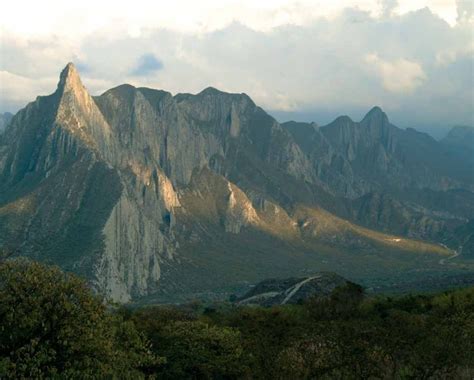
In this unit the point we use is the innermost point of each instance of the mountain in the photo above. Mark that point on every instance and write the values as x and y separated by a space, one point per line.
460 142
399 181
460 136
4 120
156 197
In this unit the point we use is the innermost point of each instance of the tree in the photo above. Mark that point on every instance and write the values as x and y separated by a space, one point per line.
342 303
51 324
196 350
7 252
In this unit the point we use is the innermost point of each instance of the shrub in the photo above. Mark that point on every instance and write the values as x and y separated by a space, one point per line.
51 324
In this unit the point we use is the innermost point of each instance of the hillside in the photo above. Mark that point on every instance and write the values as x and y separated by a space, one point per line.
159 197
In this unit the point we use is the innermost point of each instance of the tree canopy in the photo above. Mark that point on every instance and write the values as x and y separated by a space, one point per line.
51 323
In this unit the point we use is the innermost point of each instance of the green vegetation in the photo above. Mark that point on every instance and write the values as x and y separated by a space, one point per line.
51 325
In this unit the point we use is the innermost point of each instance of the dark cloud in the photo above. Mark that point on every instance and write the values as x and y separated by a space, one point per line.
147 64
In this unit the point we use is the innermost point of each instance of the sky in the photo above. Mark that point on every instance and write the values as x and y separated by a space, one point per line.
307 60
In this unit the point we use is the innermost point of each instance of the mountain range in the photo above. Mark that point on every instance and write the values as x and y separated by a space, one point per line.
156 197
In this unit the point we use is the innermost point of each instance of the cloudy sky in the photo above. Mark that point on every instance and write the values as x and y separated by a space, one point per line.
306 60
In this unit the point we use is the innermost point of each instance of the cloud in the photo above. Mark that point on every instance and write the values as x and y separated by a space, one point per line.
81 18
398 76
82 67
388 6
147 65
465 10
16 90
414 65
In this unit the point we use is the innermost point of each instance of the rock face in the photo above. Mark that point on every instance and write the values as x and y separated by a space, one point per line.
398 181
354 158
150 195
292 290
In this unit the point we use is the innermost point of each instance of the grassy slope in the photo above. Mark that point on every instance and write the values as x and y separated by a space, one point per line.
214 264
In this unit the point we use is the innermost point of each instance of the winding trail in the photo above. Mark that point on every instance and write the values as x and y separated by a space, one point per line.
291 291
455 254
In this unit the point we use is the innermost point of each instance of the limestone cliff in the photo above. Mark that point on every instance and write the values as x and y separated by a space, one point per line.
146 193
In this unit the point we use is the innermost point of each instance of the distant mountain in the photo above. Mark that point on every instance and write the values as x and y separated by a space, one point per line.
158 197
460 136
4 120
354 158
399 181
460 142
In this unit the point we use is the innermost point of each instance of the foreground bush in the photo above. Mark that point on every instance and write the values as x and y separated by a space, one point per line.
51 324
194 349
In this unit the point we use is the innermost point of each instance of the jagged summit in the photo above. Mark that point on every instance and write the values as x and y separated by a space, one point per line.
211 91
69 79
376 113
125 91
342 119
149 194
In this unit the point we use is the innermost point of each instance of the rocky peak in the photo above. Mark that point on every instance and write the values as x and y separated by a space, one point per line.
375 116
69 80
344 119
461 132
78 113
211 91
460 142
71 91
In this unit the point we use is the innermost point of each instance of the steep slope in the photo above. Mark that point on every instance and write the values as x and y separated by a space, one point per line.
68 196
399 181
55 193
374 155
153 195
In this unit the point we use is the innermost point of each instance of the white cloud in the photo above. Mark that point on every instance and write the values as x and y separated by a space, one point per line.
451 54
319 57
445 9
398 76
16 90
73 20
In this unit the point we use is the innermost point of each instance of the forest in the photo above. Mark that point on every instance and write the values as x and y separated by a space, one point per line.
53 326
